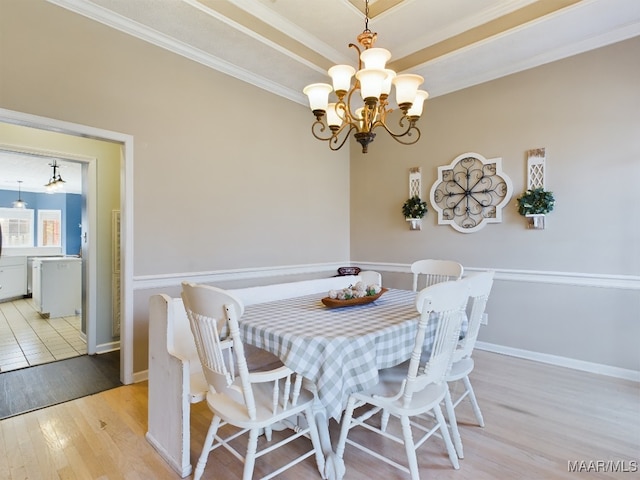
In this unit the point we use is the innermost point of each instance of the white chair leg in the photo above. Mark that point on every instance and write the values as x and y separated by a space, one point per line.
250 457
444 431
206 448
384 420
453 423
410 447
346 425
474 402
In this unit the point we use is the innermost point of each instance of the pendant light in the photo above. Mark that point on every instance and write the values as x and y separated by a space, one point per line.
56 183
19 203
364 113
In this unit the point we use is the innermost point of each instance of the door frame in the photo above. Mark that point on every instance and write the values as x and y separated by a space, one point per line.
89 253
126 226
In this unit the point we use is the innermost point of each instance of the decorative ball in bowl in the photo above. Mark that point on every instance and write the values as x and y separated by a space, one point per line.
358 294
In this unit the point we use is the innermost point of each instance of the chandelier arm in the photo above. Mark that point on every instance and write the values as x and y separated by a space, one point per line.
353 45
346 103
319 127
410 130
333 145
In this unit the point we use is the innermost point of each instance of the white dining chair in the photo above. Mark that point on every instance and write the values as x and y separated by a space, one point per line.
432 271
416 390
479 286
370 277
251 401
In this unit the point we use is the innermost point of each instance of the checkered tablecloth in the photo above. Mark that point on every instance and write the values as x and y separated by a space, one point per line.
339 350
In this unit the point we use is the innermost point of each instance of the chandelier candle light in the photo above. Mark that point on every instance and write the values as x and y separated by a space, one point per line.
374 81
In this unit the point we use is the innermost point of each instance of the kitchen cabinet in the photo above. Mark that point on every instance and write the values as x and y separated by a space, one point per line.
57 286
13 277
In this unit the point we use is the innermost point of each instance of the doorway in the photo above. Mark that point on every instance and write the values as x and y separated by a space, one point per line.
43 320
47 132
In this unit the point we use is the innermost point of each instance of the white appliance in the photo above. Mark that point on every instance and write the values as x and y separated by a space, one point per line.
57 286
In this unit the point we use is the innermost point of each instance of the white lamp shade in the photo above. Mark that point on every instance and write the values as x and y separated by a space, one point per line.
386 85
371 81
375 58
341 76
418 103
318 94
406 87
333 118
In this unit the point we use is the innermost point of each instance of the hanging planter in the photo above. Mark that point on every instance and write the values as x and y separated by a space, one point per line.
535 204
414 223
535 221
413 210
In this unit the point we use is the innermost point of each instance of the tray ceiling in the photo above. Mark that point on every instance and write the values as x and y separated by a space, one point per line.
283 45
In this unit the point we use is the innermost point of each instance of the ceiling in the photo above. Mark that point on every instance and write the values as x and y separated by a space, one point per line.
34 172
283 45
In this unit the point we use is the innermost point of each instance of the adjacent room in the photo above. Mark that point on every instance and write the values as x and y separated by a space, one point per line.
243 154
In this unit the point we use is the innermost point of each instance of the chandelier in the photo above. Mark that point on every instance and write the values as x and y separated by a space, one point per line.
363 115
19 203
56 183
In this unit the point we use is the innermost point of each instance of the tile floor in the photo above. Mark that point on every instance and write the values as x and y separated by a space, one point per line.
27 339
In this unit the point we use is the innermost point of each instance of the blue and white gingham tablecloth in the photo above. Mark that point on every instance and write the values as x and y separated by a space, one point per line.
340 350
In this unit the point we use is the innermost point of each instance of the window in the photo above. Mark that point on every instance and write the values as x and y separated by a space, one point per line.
49 225
17 227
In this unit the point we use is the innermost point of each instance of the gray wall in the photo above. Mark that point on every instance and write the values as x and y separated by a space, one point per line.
585 111
216 193
218 184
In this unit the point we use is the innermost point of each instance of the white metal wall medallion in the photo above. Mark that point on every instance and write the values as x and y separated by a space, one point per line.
471 192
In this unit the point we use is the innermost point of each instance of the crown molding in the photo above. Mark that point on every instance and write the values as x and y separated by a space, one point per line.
566 51
158 39
453 61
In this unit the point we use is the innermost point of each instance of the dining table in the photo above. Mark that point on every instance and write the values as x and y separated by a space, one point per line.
337 350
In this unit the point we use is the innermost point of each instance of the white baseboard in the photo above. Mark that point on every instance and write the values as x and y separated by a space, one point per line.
591 367
141 376
107 347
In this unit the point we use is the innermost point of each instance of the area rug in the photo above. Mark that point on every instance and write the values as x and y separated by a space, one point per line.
41 386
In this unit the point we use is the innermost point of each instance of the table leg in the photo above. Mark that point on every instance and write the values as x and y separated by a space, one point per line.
334 468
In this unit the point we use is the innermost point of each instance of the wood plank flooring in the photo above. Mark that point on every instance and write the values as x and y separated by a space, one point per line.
539 419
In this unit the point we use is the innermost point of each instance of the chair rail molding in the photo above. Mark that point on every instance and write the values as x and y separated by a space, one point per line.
625 282
144 282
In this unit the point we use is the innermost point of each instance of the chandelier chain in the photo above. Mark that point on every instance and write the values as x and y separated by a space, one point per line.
366 16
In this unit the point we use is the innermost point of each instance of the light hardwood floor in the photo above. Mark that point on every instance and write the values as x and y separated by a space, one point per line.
27 339
540 421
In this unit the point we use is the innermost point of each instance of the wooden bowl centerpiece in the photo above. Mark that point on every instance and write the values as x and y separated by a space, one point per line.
359 294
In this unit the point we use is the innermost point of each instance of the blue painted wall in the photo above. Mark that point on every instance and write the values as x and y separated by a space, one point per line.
69 203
